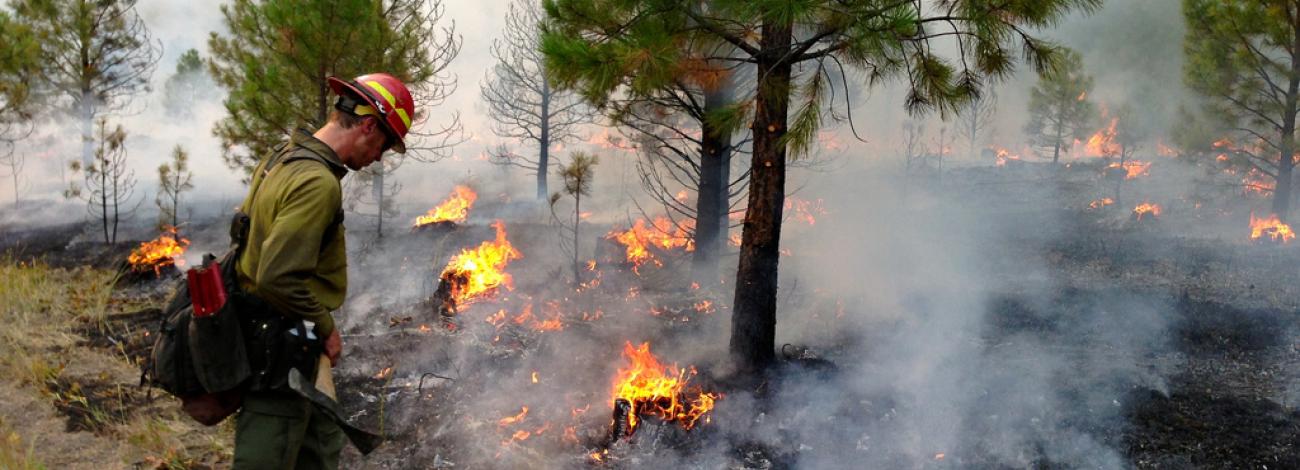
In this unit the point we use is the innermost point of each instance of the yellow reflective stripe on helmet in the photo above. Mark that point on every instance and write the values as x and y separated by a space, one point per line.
392 102
363 110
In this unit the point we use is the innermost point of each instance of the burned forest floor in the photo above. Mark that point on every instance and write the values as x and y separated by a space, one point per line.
1000 322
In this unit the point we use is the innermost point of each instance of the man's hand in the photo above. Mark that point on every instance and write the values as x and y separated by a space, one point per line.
334 347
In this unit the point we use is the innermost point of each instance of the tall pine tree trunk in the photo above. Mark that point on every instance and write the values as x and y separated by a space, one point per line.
577 218
711 201
544 142
753 321
1286 157
87 128
1056 153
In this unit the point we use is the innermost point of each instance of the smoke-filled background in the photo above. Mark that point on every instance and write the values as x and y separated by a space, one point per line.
981 318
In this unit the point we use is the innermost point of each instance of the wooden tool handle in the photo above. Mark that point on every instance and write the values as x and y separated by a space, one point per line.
325 378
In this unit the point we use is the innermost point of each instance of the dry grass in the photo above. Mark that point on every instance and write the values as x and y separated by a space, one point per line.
14 454
40 350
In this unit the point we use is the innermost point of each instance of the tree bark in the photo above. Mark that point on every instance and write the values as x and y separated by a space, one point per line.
1056 153
753 321
713 196
577 218
544 142
1286 154
87 128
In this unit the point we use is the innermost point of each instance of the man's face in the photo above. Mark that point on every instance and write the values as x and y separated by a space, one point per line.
370 144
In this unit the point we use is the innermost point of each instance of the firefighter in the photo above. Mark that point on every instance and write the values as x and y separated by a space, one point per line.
295 262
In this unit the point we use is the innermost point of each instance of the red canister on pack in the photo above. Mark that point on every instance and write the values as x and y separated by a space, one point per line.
207 291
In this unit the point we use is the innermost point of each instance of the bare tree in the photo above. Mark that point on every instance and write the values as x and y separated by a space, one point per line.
110 185
686 165
370 194
913 150
96 55
577 176
974 121
521 103
13 161
173 179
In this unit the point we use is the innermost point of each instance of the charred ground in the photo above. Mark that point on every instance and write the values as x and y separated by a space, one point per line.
1150 344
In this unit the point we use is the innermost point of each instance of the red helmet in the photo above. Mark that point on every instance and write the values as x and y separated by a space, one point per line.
390 99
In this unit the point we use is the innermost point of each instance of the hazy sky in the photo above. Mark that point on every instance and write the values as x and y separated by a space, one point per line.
1133 47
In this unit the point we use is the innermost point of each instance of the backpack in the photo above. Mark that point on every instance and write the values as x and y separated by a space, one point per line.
207 361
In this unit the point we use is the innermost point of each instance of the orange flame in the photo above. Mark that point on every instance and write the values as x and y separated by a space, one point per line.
658 390
1100 203
1147 209
1255 182
509 420
663 235
1132 169
477 273
1270 226
1003 155
454 209
159 252
1102 143
805 211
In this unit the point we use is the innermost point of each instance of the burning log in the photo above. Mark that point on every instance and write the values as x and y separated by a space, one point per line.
621 425
1270 226
648 388
475 274
452 211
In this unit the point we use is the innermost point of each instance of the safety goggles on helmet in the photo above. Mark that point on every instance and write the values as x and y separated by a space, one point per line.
351 105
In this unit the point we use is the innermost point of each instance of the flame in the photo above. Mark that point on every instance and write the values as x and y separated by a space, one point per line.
454 209
159 252
1147 209
1100 203
477 273
705 306
1003 155
1133 169
805 211
1102 143
509 420
1256 182
1270 226
1164 150
497 319
534 376
658 390
663 234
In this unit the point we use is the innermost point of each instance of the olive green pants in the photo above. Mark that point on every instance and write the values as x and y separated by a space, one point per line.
276 431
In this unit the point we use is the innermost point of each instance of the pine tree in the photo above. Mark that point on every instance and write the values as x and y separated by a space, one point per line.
278 53
605 49
1243 56
174 178
1059 109
97 56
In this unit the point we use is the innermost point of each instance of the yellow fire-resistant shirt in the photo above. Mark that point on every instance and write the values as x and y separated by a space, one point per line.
295 258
